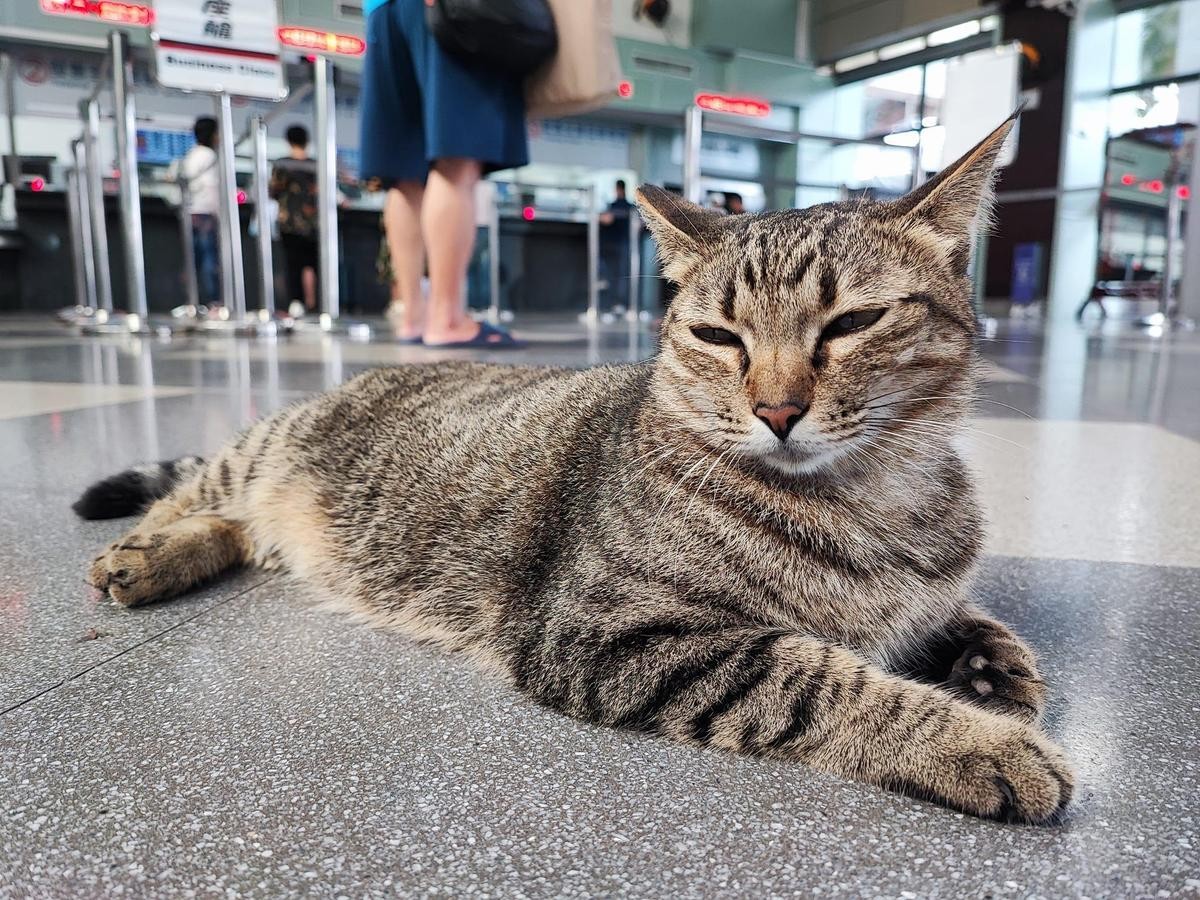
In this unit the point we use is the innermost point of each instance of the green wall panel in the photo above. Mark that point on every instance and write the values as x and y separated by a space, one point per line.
756 26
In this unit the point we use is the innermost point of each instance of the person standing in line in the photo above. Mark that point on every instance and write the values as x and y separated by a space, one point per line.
734 204
294 186
199 173
432 125
614 248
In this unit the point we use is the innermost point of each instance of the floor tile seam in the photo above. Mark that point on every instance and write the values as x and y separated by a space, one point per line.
190 392
178 392
1159 426
74 676
184 393
64 380
1082 420
228 392
1189 567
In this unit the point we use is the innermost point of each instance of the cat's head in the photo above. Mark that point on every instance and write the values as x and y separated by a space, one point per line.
844 330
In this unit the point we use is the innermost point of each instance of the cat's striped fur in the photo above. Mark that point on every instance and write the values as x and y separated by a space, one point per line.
635 546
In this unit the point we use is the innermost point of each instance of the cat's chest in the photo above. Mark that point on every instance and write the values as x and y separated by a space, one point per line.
866 574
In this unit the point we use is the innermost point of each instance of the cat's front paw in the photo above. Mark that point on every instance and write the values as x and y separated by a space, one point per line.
125 572
997 671
1021 777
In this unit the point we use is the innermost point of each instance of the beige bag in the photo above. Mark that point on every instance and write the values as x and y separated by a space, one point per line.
585 72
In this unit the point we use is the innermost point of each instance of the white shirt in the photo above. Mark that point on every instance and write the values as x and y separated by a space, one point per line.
199 168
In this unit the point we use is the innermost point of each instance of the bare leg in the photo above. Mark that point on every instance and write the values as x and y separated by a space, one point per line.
448 223
308 278
402 223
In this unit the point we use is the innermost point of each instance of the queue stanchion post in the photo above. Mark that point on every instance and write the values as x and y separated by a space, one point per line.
235 300
593 257
693 129
93 178
327 191
328 241
633 313
129 185
231 319
78 220
262 204
12 163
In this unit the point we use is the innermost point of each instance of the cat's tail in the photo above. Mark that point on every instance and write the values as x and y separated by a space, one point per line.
131 491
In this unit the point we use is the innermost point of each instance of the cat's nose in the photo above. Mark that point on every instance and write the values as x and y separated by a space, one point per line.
781 419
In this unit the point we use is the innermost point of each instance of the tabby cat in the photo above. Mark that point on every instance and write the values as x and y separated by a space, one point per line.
762 540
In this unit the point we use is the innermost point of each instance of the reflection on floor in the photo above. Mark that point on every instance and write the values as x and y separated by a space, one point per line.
236 741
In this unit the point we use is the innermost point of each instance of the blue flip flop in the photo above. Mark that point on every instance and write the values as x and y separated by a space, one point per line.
412 340
489 337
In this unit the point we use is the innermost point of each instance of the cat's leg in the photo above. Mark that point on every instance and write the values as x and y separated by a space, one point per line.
782 694
190 535
983 661
169 551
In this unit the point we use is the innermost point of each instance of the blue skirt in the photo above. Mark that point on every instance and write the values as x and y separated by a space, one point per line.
420 104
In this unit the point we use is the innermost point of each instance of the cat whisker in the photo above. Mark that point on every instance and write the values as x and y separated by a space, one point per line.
891 453
970 397
865 451
917 448
893 393
963 427
653 530
941 428
655 456
687 509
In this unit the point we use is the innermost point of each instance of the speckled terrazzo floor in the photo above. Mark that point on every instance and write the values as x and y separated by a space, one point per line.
236 742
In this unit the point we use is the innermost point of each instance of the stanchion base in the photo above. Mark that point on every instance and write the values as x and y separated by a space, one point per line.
106 323
199 320
593 319
231 328
1164 322
493 316
75 315
323 324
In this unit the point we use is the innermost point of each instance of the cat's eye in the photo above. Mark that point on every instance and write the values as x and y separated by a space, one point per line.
851 322
712 335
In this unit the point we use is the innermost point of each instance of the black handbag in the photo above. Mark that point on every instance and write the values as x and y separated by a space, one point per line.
511 36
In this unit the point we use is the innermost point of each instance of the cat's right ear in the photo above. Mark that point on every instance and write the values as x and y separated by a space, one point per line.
681 229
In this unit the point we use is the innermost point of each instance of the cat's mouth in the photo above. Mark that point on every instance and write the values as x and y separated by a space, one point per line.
796 458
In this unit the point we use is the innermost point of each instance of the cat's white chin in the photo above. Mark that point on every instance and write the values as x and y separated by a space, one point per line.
793 460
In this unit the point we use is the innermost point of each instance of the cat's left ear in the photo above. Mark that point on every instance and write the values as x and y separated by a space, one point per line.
681 229
958 200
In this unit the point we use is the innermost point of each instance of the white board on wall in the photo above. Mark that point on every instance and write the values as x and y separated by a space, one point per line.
982 90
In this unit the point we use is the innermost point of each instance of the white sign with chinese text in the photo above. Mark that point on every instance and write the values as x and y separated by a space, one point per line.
218 46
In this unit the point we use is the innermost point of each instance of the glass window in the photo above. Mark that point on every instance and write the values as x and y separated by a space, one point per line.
1157 42
884 171
810 196
868 108
1163 104
933 133
891 102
